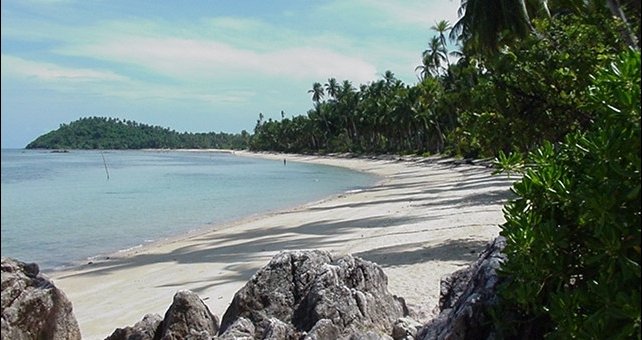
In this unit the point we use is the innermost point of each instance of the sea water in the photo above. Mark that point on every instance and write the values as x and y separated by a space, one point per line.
59 209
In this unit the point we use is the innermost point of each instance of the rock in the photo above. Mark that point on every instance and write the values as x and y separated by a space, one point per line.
368 336
32 307
301 288
452 287
405 329
241 329
466 296
143 330
277 330
188 317
323 329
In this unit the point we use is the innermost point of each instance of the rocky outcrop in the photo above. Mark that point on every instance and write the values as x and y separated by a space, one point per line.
298 295
241 329
187 318
32 307
466 296
142 330
304 288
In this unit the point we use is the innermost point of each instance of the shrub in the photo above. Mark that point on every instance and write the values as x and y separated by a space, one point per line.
573 233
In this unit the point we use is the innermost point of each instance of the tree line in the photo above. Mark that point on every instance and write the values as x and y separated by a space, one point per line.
482 87
113 133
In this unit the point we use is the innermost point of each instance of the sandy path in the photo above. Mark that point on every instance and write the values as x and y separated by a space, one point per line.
425 219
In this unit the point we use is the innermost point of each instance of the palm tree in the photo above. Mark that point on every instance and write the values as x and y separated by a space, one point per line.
332 88
348 99
389 77
425 68
433 57
317 92
442 27
488 24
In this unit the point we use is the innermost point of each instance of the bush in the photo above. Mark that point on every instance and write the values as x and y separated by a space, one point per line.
573 233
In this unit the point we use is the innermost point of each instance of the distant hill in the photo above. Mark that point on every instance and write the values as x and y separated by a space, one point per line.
113 133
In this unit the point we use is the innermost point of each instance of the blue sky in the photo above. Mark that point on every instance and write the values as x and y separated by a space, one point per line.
196 66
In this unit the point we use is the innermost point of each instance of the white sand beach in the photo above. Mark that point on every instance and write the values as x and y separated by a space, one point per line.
426 218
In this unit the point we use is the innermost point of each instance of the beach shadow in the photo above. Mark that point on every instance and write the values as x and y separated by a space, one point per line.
471 191
244 247
463 251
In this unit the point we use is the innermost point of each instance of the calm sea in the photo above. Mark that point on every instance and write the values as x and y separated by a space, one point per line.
59 209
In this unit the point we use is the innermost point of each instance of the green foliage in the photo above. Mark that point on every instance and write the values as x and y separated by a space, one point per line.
511 163
384 116
573 233
537 90
110 133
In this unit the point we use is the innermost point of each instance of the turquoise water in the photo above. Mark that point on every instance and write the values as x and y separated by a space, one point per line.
59 209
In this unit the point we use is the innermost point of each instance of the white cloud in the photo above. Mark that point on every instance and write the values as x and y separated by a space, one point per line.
12 65
417 12
200 59
107 84
396 15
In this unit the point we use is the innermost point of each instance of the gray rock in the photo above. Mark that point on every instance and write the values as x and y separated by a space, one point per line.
301 288
188 318
322 330
278 330
452 287
241 329
32 307
145 329
405 329
466 296
369 335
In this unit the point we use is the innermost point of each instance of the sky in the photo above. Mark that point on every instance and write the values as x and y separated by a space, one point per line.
197 66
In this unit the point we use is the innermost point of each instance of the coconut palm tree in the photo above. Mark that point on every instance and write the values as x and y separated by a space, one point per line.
389 77
433 57
488 24
424 69
332 88
317 92
441 27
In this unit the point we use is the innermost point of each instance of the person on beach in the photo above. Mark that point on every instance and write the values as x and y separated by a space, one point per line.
284 161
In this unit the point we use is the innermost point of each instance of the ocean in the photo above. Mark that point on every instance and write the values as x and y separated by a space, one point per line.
63 209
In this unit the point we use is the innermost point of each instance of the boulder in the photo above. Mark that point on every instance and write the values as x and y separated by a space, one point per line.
303 288
143 330
369 335
278 330
405 329
323 329
32 307
466 296
241 329
188 317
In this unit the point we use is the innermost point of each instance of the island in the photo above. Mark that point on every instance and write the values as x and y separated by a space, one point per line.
116 134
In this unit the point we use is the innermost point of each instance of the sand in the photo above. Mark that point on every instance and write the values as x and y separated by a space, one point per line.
426 218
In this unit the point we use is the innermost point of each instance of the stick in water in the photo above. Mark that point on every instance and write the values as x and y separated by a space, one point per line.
105 163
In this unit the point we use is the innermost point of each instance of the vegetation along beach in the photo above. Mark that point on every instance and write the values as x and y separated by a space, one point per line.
497 143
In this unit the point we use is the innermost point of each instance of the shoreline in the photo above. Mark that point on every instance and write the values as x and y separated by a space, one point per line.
89 261
424 218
